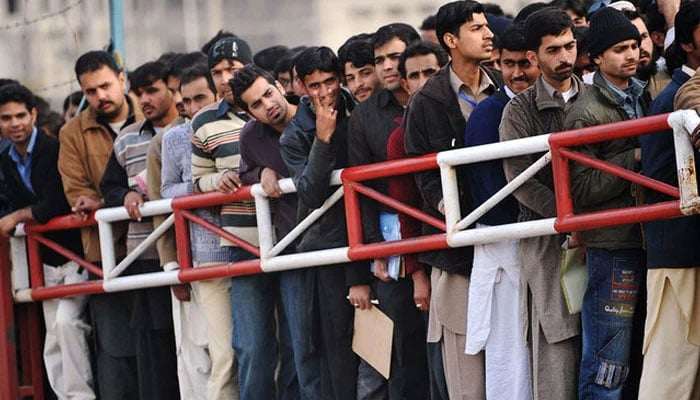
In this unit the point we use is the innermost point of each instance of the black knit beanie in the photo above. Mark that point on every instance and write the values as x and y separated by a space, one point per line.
230 48
609 27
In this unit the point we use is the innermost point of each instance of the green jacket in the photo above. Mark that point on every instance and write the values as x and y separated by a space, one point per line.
593 189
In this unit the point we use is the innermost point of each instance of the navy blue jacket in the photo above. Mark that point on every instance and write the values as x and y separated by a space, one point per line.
486 178
49 200
671 243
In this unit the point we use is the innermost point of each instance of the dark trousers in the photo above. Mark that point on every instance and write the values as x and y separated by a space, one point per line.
409 366
338 361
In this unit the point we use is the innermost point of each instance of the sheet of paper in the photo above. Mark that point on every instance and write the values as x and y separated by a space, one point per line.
373 338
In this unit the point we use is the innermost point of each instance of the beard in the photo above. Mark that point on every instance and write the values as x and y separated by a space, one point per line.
645 72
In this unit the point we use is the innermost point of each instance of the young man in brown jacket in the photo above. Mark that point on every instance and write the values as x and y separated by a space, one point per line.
541 109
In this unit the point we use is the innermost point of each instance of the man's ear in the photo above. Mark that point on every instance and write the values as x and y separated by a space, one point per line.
404 86
279 87
450 40
532 57
34 114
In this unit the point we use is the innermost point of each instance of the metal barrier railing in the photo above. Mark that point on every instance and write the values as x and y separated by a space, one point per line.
29 287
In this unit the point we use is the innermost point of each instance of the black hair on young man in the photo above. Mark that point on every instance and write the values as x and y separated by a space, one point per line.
493 9
577 6
148 73
267 58
73 98
244 79
529 10
422 49
429 23
94 60
513 38
404 32
19 94
8 81
453 15
316 59
357 51
184 61
687 20
547 21
196 71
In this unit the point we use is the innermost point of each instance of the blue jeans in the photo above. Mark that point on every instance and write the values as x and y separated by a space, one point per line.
607 314
254 299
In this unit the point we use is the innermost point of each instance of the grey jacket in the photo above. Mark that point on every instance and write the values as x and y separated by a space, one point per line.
535 112
593 189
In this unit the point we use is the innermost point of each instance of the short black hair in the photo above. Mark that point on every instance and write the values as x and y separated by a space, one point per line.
404 32
73 98
218 36
577 6
267 58
421 49
688 18
513 38
285 64
184 61
196 71
148 73
547 21
453 15
357 50
19 94
316 59
8 81
529 10
94 60
244 79
493 9
429 23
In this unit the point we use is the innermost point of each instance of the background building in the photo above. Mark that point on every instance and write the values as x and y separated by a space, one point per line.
41 39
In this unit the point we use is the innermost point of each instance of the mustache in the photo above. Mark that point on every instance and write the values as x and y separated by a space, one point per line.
644 53
521 79
563 66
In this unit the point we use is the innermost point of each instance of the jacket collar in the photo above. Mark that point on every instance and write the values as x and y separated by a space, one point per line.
89 119
543 100
385 98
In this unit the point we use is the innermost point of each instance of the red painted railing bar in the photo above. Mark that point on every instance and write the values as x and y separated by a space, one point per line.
182 239
210 199
74 289
622 173
404 246
64 222
68 254
562 185
390 168
353 216
224 234
623 216
608 132
36 269
9 379
240 268
401 207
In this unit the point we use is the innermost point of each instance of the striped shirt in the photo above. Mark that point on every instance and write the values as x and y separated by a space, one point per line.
215 150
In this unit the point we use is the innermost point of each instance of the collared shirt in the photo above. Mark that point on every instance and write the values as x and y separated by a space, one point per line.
25 167
565 97
466 98
689 71
225 107
629 97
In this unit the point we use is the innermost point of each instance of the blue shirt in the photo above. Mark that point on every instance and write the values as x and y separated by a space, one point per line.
629 97
25 168
225 107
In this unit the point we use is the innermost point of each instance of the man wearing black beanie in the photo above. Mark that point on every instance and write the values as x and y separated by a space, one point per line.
614 256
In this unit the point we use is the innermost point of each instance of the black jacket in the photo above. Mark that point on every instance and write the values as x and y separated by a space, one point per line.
49 200
371 124
434 123
310 164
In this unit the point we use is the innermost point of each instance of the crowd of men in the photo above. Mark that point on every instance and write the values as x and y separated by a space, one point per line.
489 321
